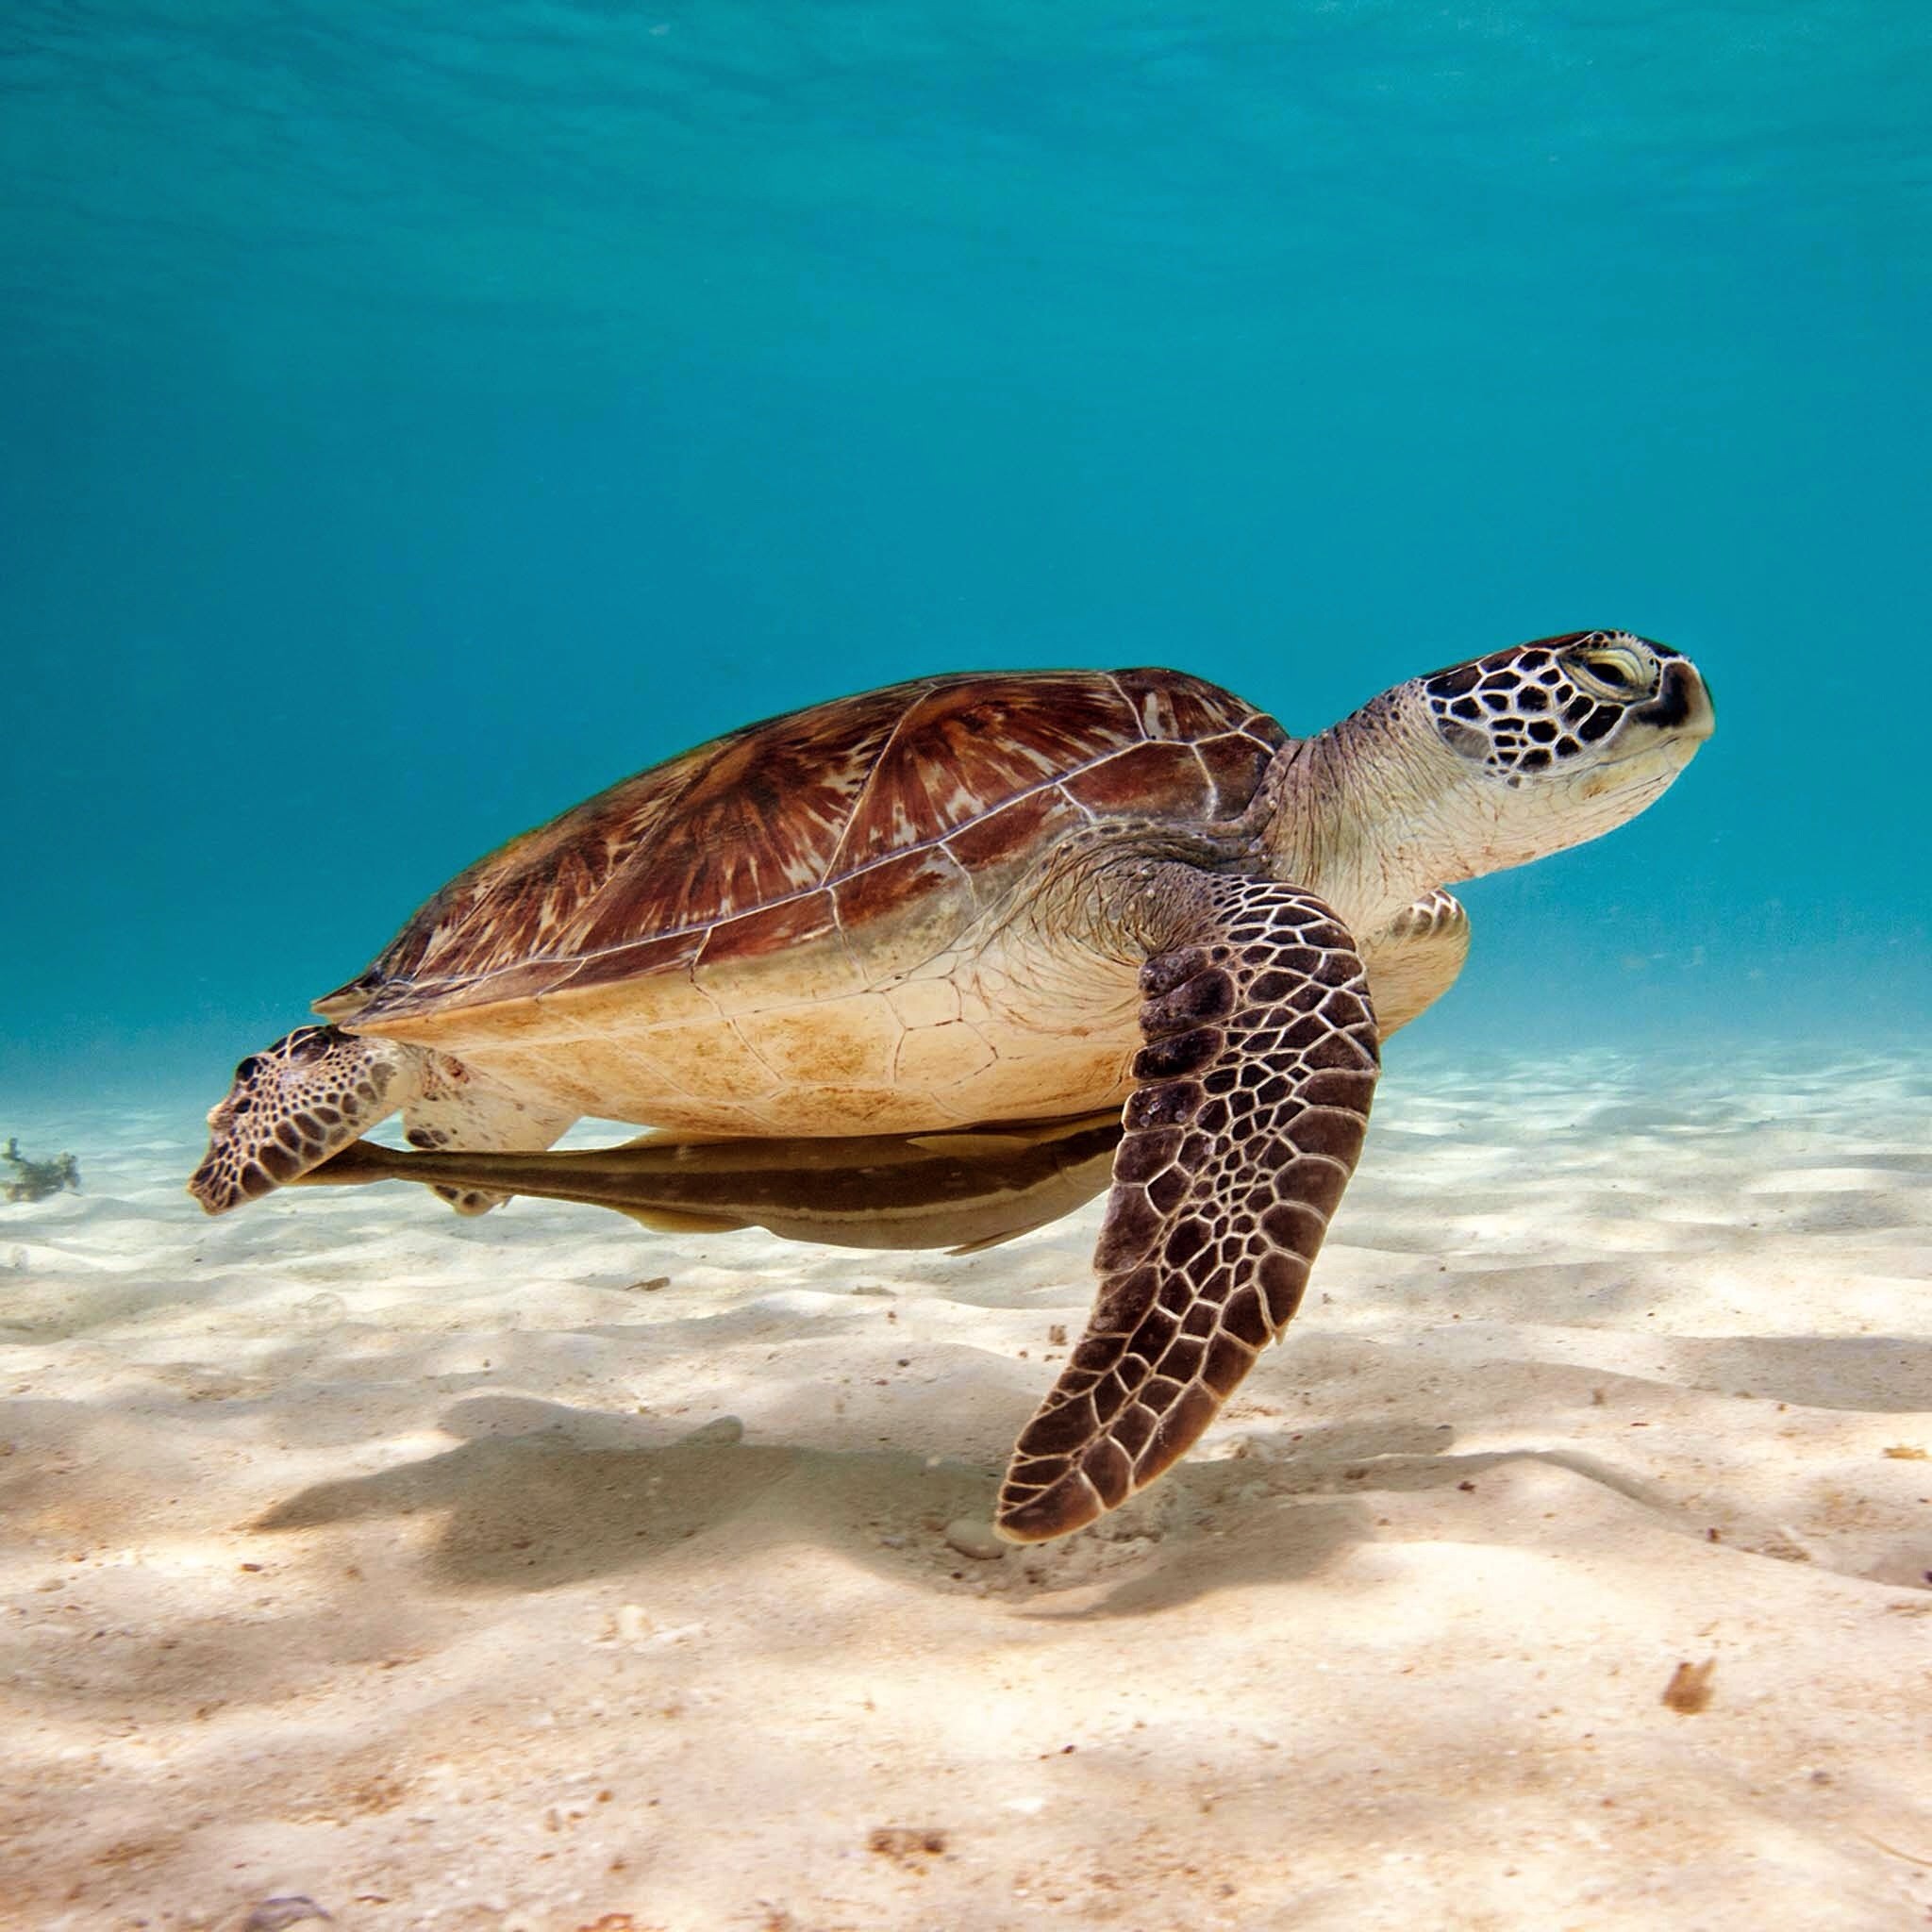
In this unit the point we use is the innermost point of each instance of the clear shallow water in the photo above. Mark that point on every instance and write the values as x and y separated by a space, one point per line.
411 420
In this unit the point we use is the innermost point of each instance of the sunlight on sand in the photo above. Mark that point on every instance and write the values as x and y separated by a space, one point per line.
414 1566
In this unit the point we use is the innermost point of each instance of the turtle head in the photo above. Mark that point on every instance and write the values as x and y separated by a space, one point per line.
1586 729
291 1106
1570 710
1494 763
1557 741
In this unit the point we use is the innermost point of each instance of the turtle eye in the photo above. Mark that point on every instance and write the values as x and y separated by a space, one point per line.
1612 670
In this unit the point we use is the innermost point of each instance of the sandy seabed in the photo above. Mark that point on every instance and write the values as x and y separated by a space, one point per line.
534 1573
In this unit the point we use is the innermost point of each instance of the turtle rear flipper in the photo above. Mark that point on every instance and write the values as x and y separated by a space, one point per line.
293 1105
1253 1097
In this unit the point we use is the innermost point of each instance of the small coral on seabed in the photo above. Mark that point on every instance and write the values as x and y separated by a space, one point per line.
34 1180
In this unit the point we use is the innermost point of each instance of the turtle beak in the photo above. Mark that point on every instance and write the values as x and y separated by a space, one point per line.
1682 705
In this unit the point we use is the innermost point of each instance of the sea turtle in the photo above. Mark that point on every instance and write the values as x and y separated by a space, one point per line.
988 914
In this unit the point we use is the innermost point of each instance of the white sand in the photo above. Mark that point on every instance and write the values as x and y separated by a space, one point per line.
356 1552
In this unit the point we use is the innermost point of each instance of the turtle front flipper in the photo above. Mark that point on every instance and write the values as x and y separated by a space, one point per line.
1253 1098
293 1105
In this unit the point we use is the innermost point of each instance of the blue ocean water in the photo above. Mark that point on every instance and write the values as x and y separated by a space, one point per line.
413 418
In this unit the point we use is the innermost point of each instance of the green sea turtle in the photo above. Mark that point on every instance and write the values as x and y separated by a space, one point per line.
1021 927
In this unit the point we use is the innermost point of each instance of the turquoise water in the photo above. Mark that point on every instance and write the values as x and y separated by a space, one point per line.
413 418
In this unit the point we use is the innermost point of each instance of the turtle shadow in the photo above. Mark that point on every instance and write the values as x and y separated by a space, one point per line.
537 1496
543 1495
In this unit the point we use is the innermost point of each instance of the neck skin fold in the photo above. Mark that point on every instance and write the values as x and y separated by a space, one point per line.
1361 815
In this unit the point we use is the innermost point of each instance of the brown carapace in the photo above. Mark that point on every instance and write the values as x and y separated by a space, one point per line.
822 821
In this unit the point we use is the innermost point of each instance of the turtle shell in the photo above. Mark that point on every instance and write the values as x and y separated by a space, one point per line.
775 834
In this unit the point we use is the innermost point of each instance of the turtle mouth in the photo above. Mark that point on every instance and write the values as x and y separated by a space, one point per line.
1671 751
